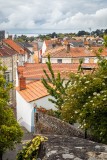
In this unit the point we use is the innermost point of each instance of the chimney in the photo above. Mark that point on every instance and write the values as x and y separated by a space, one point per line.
10 37
22 83
84 39
68 48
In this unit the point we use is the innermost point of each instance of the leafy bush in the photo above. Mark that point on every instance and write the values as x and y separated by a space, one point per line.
86 102
30 151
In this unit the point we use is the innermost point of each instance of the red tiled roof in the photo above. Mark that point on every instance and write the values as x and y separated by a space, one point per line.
35 71
86 42
34 90
6 51
66 41
48 42
35 46
76 52
14 46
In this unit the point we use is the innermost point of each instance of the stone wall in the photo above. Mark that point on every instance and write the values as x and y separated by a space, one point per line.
71 148
45 124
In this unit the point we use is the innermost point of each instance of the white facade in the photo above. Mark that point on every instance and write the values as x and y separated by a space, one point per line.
21 59
25 110
30 48
56 60
95 60
17 81
45 103
43 47
86 60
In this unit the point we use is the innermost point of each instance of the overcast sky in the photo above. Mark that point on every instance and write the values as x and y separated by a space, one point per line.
71 15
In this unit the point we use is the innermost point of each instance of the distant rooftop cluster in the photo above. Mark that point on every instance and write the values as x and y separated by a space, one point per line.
26 59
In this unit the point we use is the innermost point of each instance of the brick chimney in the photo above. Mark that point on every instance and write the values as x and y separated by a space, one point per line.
22 83
68 48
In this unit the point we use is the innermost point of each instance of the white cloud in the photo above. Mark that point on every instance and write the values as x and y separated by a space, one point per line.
57 14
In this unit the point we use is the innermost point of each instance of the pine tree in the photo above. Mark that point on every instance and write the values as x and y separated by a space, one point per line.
54 85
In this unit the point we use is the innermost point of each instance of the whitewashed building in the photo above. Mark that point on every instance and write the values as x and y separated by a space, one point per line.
67 54
29 96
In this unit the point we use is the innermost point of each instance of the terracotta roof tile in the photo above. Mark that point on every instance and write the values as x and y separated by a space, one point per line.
6 51
76 52
48 42
34 90
86 42
35 71
14 46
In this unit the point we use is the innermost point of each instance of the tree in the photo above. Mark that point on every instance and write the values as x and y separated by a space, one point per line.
54 35
10 131
105 32
86 101
82 33
54 85
105 40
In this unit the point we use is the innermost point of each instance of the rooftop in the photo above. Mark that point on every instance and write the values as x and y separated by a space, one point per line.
14 46
34 90
75 52
6 51
25 46
35 71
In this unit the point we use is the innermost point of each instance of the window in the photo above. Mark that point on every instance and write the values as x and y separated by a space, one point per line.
86 60
95 60
72 60
7 76
59 60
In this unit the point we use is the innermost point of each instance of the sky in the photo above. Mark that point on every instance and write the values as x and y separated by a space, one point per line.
52 15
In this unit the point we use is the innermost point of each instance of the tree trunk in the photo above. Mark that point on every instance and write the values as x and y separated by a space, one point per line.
1 155
85 133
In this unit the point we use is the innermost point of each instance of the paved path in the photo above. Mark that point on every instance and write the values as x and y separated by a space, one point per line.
11 155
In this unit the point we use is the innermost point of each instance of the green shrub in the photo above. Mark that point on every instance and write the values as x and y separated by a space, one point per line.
30 151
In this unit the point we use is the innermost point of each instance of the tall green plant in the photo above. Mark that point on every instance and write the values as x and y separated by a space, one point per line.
54 85
10 131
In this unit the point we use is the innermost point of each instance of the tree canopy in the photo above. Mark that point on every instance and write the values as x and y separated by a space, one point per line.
10 131
86 101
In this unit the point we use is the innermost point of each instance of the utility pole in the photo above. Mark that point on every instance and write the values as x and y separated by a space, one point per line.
90 31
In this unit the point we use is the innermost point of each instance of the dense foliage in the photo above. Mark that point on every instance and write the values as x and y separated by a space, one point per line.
86 101
30 151
10 131
24 38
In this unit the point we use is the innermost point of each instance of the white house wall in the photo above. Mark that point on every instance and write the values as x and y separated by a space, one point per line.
55 60
24 112
17 81
43 47
25 57
86 60
30 48
45 103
